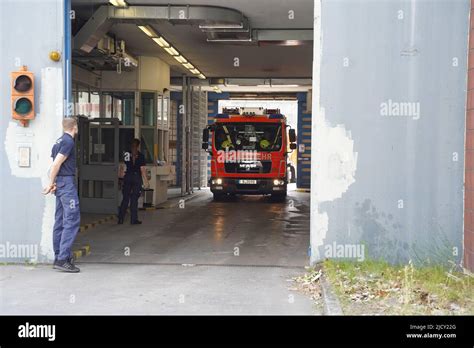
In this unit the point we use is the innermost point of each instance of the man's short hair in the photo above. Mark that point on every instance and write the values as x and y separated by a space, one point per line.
136 142
69 123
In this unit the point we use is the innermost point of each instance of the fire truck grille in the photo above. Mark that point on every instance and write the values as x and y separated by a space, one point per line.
259 167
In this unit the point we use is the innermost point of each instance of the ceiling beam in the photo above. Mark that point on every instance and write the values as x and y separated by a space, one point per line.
94 30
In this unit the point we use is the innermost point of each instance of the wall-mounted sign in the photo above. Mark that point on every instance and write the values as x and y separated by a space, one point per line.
24 156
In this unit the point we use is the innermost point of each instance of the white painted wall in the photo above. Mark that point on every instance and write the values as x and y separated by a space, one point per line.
389 182
26 215
153 74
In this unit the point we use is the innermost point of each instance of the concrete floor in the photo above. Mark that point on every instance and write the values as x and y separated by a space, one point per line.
231 257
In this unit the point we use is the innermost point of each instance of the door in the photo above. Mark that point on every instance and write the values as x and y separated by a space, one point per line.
98 165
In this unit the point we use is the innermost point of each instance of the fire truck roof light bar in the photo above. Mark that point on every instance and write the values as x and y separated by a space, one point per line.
222 116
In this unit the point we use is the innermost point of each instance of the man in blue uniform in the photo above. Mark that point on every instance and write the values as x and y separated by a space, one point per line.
62 184
133 180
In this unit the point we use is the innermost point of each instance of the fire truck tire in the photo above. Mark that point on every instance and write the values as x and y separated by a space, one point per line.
279 196
218 196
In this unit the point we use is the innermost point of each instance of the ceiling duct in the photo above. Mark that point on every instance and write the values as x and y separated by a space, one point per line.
220 24
210 18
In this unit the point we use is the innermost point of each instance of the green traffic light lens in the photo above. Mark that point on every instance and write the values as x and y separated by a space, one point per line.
23 106
23 83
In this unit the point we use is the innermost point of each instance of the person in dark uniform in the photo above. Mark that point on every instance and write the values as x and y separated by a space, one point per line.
135 176
62 184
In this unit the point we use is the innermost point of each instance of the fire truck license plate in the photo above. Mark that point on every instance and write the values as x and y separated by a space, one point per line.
248 182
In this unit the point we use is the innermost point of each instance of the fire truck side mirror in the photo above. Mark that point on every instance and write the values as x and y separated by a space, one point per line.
292 146
205 139
292 136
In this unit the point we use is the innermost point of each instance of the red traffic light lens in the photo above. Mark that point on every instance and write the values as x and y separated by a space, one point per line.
23 83
23 106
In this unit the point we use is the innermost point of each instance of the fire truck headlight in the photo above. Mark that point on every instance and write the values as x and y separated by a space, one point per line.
278 182
217 181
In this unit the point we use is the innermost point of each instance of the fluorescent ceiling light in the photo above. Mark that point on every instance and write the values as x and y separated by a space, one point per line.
180 59
171 50
161 42
293 42
119 3
221 26
148 30
283 86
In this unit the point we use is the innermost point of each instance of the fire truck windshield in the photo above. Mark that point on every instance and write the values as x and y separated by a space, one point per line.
248 136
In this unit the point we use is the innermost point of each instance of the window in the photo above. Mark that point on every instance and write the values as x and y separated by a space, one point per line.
81 100
94 106
248 136
147 144
159 115
128 107
148 130
162 115
165 111
163 145
148 109
107 98
120 105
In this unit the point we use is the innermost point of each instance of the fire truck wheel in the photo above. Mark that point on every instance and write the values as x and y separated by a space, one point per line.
218 196
279 196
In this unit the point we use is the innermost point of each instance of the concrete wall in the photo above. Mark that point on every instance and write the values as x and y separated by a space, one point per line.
388 129
29 30
153 74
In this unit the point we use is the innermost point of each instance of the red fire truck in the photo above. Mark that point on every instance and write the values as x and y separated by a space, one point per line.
249 150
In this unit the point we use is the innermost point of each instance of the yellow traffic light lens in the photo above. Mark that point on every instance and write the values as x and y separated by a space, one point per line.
23 83
23 106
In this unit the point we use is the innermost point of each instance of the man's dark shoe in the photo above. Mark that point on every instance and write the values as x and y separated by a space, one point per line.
55 263
136 222
66 266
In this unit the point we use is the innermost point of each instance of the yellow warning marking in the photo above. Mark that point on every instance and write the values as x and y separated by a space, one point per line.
83 251
77 254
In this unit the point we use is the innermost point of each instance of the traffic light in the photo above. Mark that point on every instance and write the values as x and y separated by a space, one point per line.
23 96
